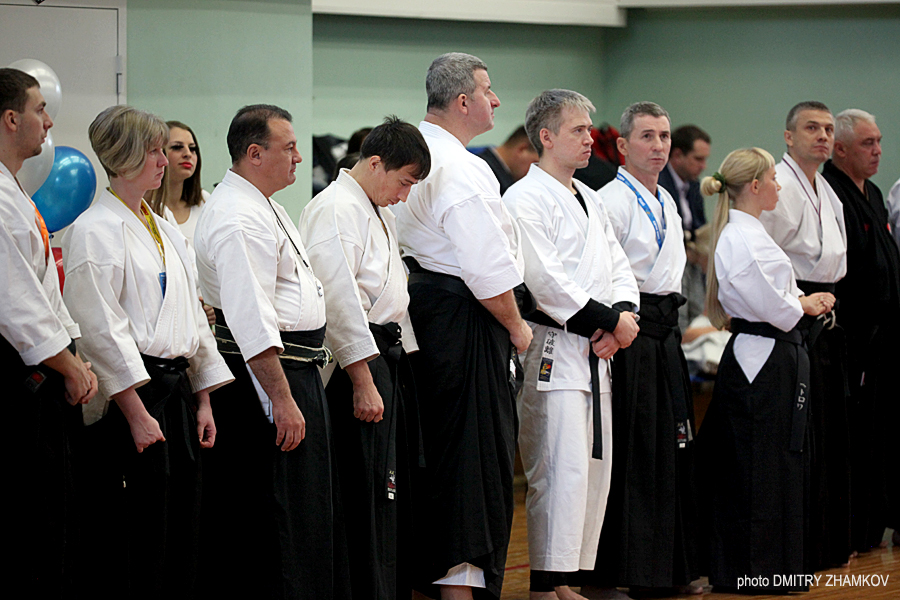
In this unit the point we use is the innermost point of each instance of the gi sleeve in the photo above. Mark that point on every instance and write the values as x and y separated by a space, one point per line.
94 281
481 248
766 301
247 267
336 260
29 320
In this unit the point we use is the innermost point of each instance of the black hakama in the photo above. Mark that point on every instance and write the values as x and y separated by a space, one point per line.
753 460
40 526
648 536
828 538
469 427
870 314
375 462
272 525
141 510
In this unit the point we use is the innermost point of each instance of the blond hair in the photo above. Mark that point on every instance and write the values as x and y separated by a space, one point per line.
122 135
739 169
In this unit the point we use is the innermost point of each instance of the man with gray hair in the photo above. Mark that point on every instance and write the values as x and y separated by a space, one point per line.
808 224
578 273
461 246
870 305
651 489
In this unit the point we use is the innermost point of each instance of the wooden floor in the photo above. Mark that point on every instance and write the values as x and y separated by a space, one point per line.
836 584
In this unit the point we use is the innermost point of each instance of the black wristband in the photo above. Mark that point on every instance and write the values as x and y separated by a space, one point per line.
591 317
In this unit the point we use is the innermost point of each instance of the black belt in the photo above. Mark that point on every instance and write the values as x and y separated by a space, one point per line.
169 374
542 318
455 285
300 346
387 338
794 336
659 320
828 320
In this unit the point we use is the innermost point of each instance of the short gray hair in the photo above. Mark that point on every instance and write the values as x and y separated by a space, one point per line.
650 109
545 112
449 76
790 123
845 123
121 137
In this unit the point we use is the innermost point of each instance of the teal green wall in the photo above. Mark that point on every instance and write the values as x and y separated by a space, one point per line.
736 72
366 68
198 61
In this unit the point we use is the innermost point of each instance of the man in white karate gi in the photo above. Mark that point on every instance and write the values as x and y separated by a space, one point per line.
808 224
352 243
42 370
651 488
461 245
270 485
577 273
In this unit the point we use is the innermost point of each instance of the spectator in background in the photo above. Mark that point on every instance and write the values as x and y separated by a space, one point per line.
681 178
511 160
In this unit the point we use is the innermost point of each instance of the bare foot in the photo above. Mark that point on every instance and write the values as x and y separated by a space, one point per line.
564 592
594 593
543 596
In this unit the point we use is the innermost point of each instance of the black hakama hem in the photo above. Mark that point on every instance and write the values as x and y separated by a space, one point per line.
375 462
754 485
649 530
272 523
469 425
40 527
141 510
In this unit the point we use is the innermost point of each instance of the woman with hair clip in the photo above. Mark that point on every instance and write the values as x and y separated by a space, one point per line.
130 283
180 197
751 446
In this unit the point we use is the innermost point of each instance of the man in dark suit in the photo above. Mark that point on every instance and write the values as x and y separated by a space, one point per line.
510 161
681 178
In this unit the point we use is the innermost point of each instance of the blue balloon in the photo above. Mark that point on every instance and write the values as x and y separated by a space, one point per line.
68 190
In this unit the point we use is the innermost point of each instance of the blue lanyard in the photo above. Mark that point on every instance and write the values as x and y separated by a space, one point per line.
660 235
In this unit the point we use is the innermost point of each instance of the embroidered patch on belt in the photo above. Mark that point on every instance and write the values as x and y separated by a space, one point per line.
546 367
392 484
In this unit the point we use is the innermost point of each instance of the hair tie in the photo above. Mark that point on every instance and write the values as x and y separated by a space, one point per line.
721 179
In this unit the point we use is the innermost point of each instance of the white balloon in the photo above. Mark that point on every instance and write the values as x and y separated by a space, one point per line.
35 170
50 87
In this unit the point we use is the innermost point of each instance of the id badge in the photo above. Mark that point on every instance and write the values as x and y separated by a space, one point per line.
162 282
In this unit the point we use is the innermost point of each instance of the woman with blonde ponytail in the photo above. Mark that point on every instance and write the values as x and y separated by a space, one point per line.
750 449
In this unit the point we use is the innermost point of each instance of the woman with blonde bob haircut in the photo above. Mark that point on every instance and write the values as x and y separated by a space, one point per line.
751 446
130 284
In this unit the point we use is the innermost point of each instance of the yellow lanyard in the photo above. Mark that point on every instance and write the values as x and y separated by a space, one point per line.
150 224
